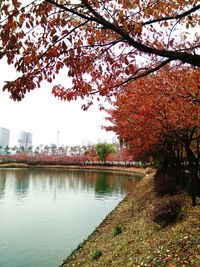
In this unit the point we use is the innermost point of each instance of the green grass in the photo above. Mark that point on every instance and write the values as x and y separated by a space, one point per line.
116 231
96 254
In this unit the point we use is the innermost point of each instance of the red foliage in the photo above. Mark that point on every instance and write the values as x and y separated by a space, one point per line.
98 42
42 159
157 110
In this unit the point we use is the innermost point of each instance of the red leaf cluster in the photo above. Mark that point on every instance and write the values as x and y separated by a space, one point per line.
98 42
157 114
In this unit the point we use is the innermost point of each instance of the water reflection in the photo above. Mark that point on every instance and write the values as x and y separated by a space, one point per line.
101 185
55 179
2 183
21 177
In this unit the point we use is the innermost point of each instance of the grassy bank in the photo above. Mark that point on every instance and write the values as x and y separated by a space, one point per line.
14 165
142 242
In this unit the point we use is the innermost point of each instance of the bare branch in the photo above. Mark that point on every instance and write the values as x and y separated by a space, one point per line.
133 77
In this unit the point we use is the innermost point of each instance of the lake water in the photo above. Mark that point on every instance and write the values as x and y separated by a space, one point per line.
46 213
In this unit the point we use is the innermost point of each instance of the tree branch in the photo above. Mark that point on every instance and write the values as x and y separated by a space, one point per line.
133 77
172 55
180 16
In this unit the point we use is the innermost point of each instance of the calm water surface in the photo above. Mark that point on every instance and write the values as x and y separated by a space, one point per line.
45 213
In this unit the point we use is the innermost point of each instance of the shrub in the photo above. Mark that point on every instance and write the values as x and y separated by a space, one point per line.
164 182
167 211
96 254
116 230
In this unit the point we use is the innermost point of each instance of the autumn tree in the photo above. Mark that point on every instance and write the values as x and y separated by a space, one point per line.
102 44
157 119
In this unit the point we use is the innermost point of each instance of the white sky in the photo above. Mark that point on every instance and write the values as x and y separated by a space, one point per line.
43 115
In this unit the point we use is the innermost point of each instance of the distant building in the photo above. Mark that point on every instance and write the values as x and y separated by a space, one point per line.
4 139
25 140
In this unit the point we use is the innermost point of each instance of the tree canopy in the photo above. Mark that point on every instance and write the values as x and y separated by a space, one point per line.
157 119
103 44
103 149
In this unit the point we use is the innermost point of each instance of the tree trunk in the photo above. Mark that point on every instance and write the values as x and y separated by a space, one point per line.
193 168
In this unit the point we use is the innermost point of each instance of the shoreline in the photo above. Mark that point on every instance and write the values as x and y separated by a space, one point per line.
132 171
142 242
126 170
142 172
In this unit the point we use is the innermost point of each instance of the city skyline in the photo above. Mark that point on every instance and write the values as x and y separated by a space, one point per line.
14 140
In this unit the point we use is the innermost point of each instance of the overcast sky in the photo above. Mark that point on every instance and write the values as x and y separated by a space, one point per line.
43 115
